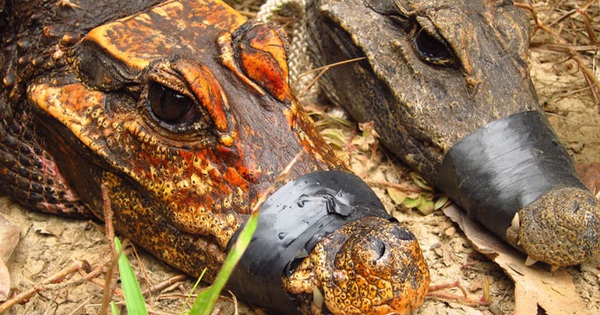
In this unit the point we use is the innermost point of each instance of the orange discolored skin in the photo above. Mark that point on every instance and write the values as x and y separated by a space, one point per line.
353 268
200 177
183 112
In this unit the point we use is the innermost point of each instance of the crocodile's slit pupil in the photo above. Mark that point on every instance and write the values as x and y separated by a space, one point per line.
168 105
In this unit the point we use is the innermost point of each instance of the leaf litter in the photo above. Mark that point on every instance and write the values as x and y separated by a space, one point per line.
568 94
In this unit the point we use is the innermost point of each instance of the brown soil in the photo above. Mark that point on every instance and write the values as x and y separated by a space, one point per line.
49 244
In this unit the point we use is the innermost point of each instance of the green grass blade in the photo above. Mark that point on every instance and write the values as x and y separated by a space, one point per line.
189 295
114 309
205 301
134 300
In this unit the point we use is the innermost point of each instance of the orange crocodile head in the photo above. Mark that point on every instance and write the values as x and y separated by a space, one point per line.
183 114
186 108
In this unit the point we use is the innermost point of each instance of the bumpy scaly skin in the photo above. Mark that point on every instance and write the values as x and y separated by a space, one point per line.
182 112
366 267
559 238
434 72
468 69
198 180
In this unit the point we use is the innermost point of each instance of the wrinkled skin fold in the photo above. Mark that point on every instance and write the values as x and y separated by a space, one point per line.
182 112
436 72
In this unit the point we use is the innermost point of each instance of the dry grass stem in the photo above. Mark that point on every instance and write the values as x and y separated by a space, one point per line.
45 285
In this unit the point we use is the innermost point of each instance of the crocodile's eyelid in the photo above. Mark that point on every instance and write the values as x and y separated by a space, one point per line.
402 21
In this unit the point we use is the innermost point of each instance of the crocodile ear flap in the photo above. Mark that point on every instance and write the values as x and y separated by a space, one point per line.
258 55
95 66
91 67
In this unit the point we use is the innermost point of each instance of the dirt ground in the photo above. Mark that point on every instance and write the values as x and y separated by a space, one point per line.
50 244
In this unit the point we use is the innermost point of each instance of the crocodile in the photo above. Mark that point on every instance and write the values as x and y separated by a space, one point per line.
447 86
181 112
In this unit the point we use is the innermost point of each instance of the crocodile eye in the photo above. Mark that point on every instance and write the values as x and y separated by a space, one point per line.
170 106
432 50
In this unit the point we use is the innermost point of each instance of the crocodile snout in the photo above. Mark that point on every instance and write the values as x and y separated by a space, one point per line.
561 228
382 266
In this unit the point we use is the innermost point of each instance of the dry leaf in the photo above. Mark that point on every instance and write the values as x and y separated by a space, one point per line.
411 203
590 175
420 181
396 195
9 238
440 202
46 229
426 206
4 282
534 286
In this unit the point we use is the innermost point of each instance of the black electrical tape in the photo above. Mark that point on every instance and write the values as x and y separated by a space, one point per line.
504 166
290 223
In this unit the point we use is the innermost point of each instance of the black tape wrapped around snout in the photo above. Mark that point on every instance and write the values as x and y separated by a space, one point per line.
289 225
505 165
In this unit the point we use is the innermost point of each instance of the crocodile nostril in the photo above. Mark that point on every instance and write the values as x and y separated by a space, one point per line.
379 248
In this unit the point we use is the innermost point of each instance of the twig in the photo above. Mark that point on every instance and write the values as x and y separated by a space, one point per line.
144 273
57 277
235 302
407 187
97 271
455 284
82 304
453 297
93 276
564 47
164 284
588 27
322 71
110 234
108 214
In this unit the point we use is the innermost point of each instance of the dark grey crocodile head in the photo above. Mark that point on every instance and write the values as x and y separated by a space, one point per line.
435 70
436 73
